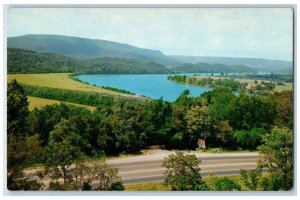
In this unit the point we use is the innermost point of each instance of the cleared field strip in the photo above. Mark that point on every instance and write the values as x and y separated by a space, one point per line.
59 80
35 102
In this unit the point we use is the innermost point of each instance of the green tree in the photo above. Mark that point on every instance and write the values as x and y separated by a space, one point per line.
277 157
63 149
251 178
106 177
223 133
184 100
252 112
222 184
249 139
284 108
221 103
19 149
96 175
183 172
198 123
17 110
158 118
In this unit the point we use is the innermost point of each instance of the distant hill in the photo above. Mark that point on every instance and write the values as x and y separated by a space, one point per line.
265 65
27 61
82 48
77 49
212 68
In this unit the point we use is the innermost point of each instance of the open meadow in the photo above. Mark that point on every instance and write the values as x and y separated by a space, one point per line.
35 102
58 80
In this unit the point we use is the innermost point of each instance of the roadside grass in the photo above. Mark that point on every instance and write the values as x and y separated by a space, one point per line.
35 102
153 186
159 186
59 80
220 150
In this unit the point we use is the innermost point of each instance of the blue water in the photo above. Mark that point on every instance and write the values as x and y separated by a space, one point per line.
150 85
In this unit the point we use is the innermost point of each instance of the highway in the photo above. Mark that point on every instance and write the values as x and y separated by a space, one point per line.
147 168
142 169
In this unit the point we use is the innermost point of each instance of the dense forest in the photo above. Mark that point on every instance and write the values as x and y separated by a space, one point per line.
121 66
222 118
118 125
26 61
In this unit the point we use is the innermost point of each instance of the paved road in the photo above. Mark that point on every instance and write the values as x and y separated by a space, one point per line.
141 169
147 168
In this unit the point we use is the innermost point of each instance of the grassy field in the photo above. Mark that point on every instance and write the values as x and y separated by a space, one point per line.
159 186
58 80
287 86
35 102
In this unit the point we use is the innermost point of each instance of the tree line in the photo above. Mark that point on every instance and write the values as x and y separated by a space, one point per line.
202 67
230 83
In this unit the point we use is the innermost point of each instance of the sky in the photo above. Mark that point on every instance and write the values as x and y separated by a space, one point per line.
223 32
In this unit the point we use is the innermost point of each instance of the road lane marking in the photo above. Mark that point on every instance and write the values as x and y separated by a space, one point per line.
160 175
205 166
159 163
217 158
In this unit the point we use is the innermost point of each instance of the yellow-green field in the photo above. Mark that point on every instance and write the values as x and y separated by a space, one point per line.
58 80
287 86
153 186
35 102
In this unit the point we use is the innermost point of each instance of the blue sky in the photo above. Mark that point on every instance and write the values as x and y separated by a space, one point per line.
227 32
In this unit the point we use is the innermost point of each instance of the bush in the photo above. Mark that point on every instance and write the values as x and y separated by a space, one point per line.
223 184
249 139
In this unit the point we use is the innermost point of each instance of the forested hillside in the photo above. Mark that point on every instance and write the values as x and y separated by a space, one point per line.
121 66
83 48
212 68
275 66
26 61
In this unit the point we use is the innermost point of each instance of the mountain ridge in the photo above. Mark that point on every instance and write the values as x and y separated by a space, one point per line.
260 64
85 48
28 61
